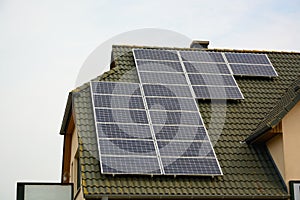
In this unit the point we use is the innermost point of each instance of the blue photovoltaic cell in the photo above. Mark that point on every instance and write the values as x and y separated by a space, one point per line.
204 92
179 132
167 90
209 79
185 148
112 101
163 78
155 103
149 54
174 117
121 116
130 165
181 165
159 66
127 147
253 70
210 68
247 58
135 131
201 56
116 88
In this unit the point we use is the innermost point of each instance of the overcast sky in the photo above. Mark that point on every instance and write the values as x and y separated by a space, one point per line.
43 45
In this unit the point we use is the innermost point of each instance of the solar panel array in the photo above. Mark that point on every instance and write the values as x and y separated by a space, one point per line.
150 133
155 127
206 72
182 140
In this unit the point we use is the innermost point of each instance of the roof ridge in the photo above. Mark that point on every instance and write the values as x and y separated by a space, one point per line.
212 49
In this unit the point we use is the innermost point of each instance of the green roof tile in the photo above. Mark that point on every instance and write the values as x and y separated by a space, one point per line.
248 169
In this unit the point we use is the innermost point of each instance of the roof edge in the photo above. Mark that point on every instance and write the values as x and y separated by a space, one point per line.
209 49
279 111
67 115
90 196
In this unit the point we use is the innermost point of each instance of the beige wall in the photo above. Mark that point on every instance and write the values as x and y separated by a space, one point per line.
275 146
291 143
285 147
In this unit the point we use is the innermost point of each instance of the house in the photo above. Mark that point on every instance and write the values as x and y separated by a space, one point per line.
256 138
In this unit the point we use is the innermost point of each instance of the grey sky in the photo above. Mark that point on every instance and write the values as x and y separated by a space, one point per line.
45 43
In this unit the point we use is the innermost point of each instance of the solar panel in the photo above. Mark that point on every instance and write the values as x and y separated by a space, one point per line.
130 165
127 147
111 101
185 148
155 90
204 92
201 56
163 78
209 79
253 70
247 58
178 104
206 68
127 131
181 165
179 132
159 66
151 54
116 88
175 117
247 64
121 116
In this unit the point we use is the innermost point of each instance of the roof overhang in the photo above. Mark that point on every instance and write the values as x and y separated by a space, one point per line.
67 115
273 119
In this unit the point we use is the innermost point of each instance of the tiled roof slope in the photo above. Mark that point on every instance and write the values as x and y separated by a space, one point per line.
248 170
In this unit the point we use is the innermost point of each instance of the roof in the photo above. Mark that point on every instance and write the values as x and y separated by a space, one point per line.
248 170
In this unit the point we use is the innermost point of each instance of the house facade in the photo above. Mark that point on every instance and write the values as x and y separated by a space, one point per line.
255 139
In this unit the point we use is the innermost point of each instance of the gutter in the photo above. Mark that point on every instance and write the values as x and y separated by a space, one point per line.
257 134
93 197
